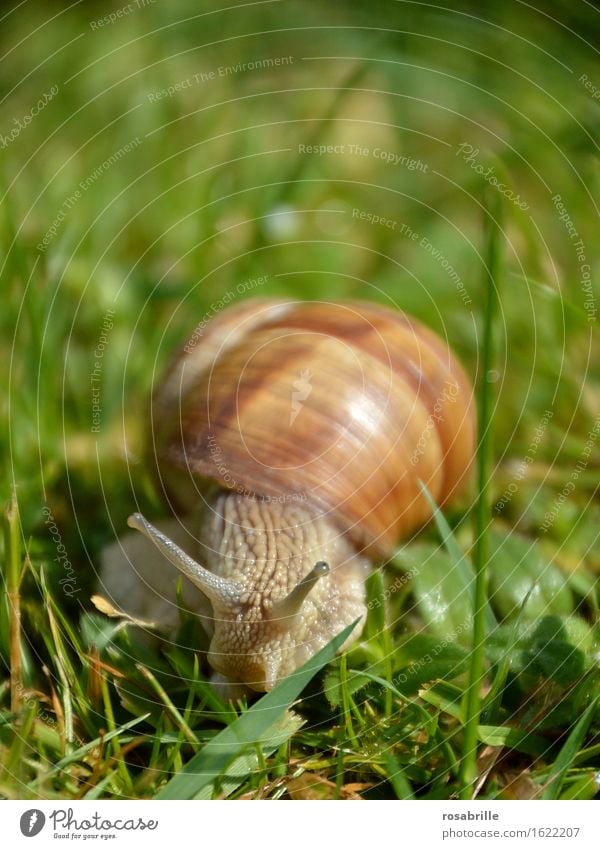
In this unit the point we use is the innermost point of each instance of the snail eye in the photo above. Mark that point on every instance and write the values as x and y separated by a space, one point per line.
292 603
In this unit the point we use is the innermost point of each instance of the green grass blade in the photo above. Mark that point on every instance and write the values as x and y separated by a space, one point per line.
584 788
468 773
568 753
396 777
88 747
501 736
492 702
248 762
251 726
170 707
12 553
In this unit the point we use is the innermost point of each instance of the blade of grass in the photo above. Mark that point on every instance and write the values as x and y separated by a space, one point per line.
380 618
250 761
346 718
396 777
513 738
88 747
98 789
213 706
587 753
468 770
491 704
251 726
12 553
568 753
171 709
122 769
443 739
21 741
65 670
583 788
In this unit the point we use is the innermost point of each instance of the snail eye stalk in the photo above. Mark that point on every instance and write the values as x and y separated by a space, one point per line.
215 588
292 603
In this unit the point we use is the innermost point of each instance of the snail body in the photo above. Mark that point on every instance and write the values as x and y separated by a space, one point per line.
296 434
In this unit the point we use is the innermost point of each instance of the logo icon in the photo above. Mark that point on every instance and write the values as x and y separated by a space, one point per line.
32 822
302 389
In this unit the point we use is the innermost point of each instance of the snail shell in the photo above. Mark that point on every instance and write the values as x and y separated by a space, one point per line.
343 406
296 434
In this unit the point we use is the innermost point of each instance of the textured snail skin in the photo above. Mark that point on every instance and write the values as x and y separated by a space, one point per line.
269 547
266 547
290 434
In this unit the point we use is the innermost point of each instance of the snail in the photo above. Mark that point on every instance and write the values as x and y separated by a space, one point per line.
290 439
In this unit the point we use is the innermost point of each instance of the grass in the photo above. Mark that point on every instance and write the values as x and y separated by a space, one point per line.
497 598
469 772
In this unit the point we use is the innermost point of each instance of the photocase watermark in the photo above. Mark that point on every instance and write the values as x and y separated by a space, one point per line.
219 73
391 589
96 375
374 218
301 391
216 307
390 157
594 90
32 822
569 487
65 819
224 475
88 827
430 656
69 582
522 468
284 498
452 274
470 156
448 396
25 121
28 702
84 185
409 233
123 12
585 269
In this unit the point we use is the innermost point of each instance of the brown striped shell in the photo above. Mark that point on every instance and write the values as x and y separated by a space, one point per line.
340 406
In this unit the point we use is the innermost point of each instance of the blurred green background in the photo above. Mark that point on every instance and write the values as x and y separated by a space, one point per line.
173 159
214 191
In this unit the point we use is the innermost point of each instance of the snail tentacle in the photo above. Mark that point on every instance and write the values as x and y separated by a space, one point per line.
292 603
217 589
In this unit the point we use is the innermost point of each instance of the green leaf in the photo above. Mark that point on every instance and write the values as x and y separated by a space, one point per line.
518 567
427 658
460 562
442 592
512 738
493 700
568 753
249 728
550 653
